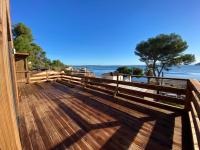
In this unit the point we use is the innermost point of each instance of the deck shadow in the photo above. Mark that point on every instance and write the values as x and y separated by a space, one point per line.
116 100
87 127
124 120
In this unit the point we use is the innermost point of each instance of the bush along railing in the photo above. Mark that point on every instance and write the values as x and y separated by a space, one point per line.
193 108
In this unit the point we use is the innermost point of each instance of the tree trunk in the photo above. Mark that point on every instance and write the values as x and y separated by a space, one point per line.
154 68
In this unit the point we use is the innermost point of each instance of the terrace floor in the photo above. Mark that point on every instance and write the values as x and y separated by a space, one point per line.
53 116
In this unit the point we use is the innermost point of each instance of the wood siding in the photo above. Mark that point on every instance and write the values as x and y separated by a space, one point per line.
9 135
21 68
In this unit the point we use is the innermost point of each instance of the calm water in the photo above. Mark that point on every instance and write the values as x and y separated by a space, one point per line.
190 71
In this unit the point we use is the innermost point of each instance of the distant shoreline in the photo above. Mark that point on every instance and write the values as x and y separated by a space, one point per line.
198 64
106 65
130 65
189 71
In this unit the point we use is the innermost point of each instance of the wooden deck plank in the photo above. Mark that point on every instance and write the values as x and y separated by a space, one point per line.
98 134
33 131
139 116
71 110
60 117
70 129
25 139
141 131
74 130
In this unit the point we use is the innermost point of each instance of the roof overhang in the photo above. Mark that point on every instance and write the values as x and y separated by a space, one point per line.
19 56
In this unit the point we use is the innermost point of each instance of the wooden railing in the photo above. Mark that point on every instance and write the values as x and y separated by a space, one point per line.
193 108
45 76
168 97
155 95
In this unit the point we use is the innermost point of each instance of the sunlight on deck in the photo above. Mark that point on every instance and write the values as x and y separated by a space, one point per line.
53 116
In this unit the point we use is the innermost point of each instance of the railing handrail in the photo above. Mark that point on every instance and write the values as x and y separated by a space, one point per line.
193 108
144 76
106 82
133 83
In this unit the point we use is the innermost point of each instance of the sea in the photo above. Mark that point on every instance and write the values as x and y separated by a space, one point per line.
185 71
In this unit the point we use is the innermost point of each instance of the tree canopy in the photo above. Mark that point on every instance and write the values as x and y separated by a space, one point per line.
124 70
137 71
57 65
162 52
24 42
130 70
22 38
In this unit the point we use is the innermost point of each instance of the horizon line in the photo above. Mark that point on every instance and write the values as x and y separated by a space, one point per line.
124 65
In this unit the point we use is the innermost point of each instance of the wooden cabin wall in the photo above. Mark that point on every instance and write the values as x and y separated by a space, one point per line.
9 133
20 65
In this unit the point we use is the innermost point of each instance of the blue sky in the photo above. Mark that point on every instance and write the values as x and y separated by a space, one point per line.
105 32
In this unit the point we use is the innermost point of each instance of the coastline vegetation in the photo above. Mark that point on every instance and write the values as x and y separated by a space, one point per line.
130 71
37 59
163 52
198 64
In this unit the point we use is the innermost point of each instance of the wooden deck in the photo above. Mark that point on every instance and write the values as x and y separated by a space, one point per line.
53 116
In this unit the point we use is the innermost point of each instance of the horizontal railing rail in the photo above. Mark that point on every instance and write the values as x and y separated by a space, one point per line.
193 107
171 78
164 81
44 76
158 95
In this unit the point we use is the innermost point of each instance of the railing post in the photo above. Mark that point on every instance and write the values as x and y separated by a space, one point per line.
130 78
61 74
70 79
148 79
84 82
28 77
47 76
117 86
188 96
